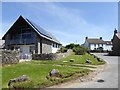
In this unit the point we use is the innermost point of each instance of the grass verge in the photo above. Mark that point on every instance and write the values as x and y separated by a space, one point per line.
38 70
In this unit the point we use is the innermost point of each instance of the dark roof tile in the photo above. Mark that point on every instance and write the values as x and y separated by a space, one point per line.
95 41
43 32
39 29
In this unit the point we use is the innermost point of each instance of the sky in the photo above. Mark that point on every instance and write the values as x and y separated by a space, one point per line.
69 22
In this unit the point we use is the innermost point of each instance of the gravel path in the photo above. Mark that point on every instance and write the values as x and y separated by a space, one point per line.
104 77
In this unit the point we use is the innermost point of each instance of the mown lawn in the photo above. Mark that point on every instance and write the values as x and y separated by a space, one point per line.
38 70
79 59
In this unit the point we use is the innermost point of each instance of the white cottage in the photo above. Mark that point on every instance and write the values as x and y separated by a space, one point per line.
97 44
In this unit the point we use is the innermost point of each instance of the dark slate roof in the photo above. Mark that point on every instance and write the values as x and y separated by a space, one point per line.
43 32
39 29
96 41
54 38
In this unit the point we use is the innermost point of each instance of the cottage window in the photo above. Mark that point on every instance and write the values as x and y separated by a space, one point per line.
53 45
56 45
94 45
98 45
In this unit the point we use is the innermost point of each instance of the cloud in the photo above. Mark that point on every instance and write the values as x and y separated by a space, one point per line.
69 24
72 23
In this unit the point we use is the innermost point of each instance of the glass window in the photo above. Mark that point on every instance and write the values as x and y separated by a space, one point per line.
32 48
26 36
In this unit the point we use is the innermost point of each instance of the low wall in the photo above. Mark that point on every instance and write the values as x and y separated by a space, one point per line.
51 56
10 57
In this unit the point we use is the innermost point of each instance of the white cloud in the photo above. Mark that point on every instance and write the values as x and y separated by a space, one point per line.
75 22
72 26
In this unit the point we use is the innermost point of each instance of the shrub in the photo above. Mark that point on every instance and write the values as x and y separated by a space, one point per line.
80 50
70 46
63 49
86 49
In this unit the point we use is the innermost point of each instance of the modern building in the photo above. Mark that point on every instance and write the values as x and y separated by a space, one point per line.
30 38
116 43
97 44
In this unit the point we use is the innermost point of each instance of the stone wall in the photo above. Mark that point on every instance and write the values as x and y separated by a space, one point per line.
46 46
10 57
51 56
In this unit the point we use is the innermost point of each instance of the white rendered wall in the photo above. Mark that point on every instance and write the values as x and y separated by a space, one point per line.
104 46
54 50
25 49
108 47
92 46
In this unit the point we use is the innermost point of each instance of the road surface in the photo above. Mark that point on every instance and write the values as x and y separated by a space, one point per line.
109 75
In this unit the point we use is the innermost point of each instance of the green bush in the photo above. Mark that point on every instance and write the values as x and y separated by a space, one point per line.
79 50
70 46
63 49
86 49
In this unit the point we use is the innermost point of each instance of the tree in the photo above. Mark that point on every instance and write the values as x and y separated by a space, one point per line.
70 46
77 48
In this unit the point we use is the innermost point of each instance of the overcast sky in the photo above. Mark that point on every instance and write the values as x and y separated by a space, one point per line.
70 22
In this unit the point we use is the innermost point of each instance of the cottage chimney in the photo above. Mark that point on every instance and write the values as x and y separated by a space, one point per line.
101 38
115 31
86 38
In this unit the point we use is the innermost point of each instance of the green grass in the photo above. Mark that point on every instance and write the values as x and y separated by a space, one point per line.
38 70
37 73
79 59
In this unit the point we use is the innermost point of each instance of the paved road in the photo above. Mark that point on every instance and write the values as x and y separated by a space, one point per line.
109 75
